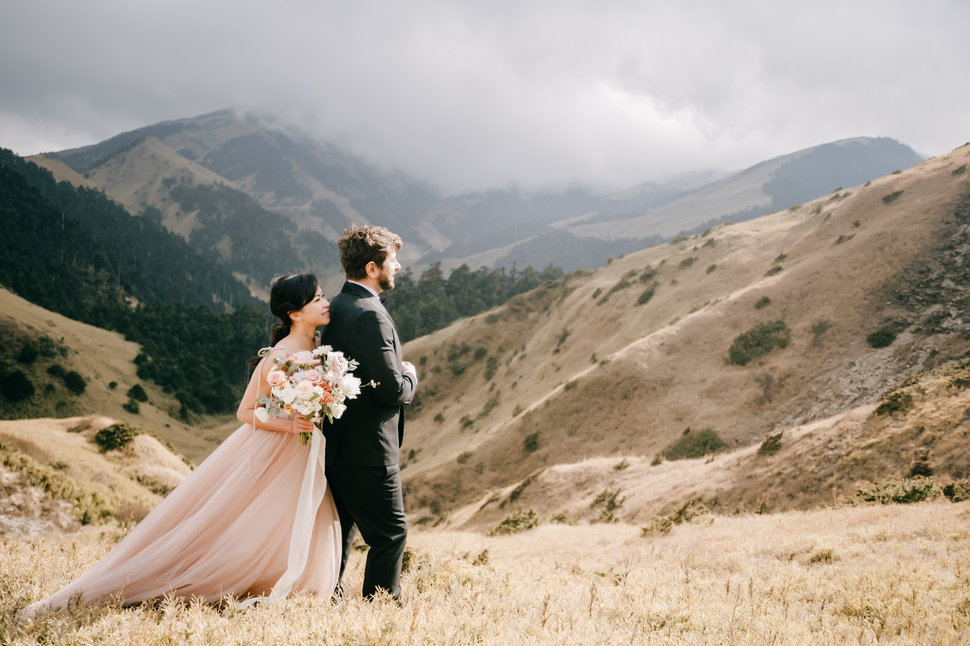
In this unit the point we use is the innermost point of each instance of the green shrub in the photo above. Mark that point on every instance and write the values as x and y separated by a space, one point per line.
909 490
692 509
464 457
694 445
531 442
882 337
16 386
75 382
895 402
132 407
771 444
56 370
138 393
764 301
892 197
28 353
646 295
611 503
957 491
114 437
758 341
491 367
516 523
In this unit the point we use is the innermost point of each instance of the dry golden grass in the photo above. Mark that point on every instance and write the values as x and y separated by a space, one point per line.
599 380
867 575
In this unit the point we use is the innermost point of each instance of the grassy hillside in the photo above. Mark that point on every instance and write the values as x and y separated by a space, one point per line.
102 358
875 574
55 476
617 364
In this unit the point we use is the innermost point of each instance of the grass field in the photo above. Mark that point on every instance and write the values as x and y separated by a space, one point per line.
882 574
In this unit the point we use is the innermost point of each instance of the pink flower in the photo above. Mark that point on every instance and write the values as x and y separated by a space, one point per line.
276 378
337 363
313 376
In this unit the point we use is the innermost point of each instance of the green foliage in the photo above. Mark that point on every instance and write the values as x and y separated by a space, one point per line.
694 445
516 523
131 406
647 274
892 197
138 393
959 171
646 295
895 402
762 302
531 442
771 444
611 502
758 341
623 283
882 337
692 509
909 490
774 270
28 353
73 251
431 302
115 437
75 382
957 491
16 386
464 456
491 367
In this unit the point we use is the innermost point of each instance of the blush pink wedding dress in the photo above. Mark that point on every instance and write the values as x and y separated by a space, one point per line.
256 518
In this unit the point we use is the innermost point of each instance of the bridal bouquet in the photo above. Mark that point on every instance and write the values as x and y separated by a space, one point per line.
310 384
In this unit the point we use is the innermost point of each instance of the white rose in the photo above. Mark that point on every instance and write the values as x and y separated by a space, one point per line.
350 385
286 394
304 389
336 410
337 362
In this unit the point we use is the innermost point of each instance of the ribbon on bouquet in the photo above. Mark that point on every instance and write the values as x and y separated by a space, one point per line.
312 492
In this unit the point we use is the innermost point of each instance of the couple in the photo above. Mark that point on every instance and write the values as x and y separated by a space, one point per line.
262 515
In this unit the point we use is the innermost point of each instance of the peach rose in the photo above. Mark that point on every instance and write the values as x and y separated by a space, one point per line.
276 378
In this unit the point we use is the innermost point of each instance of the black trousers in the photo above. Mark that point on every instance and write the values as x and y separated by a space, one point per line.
370 499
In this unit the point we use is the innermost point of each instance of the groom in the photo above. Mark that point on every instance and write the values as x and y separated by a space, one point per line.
363 444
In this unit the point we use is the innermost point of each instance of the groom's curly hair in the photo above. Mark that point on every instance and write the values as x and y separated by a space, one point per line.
361 245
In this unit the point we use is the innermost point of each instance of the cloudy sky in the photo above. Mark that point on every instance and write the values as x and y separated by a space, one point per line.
476 94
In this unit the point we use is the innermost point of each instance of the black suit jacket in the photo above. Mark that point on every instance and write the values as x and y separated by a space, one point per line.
371 430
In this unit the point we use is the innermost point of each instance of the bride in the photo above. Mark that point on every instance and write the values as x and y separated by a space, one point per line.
254 519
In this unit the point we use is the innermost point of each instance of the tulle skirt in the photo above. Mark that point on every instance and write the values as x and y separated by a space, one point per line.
227 529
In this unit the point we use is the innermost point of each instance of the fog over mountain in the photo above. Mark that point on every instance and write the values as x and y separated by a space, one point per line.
230 183
471 97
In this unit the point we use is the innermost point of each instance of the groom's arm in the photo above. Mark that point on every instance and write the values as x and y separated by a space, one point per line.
396 386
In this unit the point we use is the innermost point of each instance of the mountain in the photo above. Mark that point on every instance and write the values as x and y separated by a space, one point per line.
262 198
769 186
73 251
232 184
837 327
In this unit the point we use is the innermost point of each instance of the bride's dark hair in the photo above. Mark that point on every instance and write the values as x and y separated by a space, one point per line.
289 293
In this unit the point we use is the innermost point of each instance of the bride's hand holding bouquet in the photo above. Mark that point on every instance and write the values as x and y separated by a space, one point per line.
309 385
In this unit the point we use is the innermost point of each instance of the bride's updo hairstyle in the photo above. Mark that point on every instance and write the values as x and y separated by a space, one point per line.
289 293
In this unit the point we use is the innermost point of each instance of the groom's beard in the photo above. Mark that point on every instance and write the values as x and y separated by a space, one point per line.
386 281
